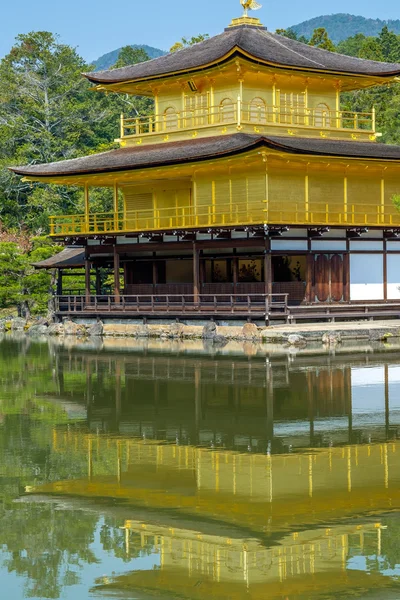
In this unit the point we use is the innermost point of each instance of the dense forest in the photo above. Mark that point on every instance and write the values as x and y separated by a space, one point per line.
48 113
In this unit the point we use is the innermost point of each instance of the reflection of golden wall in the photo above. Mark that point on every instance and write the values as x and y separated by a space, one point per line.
321 484
257 476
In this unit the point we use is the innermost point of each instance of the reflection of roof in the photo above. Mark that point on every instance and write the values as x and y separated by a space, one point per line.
67 258
152 155
256 43
176 583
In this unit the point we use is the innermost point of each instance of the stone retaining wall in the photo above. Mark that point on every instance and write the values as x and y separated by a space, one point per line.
294 335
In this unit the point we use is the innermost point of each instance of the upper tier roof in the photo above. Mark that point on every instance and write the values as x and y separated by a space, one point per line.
173 153
257 44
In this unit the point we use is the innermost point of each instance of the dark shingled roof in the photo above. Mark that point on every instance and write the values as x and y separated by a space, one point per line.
140 157
260 44
66 259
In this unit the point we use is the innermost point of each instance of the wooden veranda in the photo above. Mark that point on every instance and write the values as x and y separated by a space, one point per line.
265 307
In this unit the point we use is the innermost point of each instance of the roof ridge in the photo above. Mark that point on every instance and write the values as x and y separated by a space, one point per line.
187 151
157 58
274 37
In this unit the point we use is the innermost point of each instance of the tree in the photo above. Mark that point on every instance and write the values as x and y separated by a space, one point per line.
47 113
21 286
136 106
184 43
38 285
352 45
128 55
371 50
292 35
12 268
389 44
320 39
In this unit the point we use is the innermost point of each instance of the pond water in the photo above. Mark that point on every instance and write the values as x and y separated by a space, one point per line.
176 471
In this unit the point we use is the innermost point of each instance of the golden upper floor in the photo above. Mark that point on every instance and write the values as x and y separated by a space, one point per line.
235 181
261 108
246 79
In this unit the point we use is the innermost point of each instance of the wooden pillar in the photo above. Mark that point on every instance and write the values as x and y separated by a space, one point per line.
196 273
202 273
60 282
98 282
346 277
310 278
126 275
117 286
235 272
155 273
87 277
268 272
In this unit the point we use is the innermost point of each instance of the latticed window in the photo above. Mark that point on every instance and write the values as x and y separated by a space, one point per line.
322 115
227 111
257 111
292 108
196 110
170 118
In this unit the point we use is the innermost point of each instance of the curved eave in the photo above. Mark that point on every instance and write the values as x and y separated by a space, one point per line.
26 173
234 53
206 149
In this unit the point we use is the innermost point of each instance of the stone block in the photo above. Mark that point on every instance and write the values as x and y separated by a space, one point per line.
209 330
38 330
296 340
332 338
96 329
250 331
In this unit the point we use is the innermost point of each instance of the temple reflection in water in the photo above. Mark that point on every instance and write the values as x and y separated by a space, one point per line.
270 468
254 405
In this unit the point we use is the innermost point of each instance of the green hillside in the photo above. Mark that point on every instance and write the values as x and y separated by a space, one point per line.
108 60
341 26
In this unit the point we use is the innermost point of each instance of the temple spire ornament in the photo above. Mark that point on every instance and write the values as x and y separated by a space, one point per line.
249 5
245 19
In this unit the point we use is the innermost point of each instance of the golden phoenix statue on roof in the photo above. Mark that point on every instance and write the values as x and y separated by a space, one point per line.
249 5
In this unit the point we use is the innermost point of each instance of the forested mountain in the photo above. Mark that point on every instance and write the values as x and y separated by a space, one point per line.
341 26
108 60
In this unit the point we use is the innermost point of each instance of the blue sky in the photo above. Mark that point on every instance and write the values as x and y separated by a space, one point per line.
99 26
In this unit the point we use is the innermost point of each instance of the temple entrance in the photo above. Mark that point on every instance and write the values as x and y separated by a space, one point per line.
328 278
289 276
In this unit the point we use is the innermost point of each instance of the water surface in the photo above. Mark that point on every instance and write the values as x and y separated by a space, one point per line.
177 471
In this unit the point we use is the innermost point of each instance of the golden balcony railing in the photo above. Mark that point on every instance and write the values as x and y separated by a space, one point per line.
238 113
185 217
230 214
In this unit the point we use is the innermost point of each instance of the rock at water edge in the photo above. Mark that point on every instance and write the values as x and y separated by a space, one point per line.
209 330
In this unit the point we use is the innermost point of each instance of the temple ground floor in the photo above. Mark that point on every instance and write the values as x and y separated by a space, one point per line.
259 274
